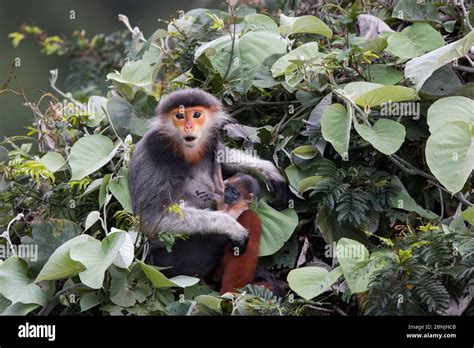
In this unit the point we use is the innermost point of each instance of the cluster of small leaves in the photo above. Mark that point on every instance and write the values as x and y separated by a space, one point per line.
428 276
351 195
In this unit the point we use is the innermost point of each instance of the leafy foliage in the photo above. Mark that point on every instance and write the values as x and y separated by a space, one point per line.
361 122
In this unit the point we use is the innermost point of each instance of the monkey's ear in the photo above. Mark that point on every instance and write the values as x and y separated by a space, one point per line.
283 194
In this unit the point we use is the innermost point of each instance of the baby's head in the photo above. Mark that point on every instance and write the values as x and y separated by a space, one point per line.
240 191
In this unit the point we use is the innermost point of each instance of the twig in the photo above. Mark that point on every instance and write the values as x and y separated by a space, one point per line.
233 44
465 14
463 68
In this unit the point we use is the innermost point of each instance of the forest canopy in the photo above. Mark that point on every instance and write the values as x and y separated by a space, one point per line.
367 109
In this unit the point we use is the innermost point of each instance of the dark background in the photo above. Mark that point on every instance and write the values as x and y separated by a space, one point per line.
94 16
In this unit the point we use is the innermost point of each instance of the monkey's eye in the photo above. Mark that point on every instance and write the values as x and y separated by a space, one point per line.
197 114
179 116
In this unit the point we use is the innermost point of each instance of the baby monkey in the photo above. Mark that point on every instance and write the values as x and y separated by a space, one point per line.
240 191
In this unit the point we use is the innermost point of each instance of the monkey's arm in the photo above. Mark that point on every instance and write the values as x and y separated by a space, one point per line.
235 160
200 221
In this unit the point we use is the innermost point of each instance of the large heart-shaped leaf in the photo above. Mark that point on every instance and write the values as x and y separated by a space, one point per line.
15 285
352 256
277 227
336 128
419 69
304 24
137 73
97 256
119 188
53 161
60 265
386 135
414 41
89 154
369 94
285 65
309 282
450 154
251 53
448 110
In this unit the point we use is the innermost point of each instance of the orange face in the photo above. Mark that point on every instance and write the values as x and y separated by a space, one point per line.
191 123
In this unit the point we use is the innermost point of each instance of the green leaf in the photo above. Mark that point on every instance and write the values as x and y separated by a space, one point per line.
277 227
450 154
351 255
411 10
137 73
47 236
448 110
404 201
305 152
128 287
468 215
97 256
124 118
89 300
414 41
384 74
387 136
60 265
285 65
252 53
309 282
419 69
96 105
259 22
53 161
369 94
15 285
336 128
119 188
304 24
212 302
159 280
89 154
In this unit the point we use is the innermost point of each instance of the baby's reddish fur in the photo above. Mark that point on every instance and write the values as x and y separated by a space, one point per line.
239 271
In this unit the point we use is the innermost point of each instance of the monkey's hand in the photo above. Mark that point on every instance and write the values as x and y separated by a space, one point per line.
276 183
239 237
240 161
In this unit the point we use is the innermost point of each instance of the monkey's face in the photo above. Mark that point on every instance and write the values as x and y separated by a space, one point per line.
231 194
190 124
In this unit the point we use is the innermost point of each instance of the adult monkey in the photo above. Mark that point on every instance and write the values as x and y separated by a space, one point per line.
177 162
